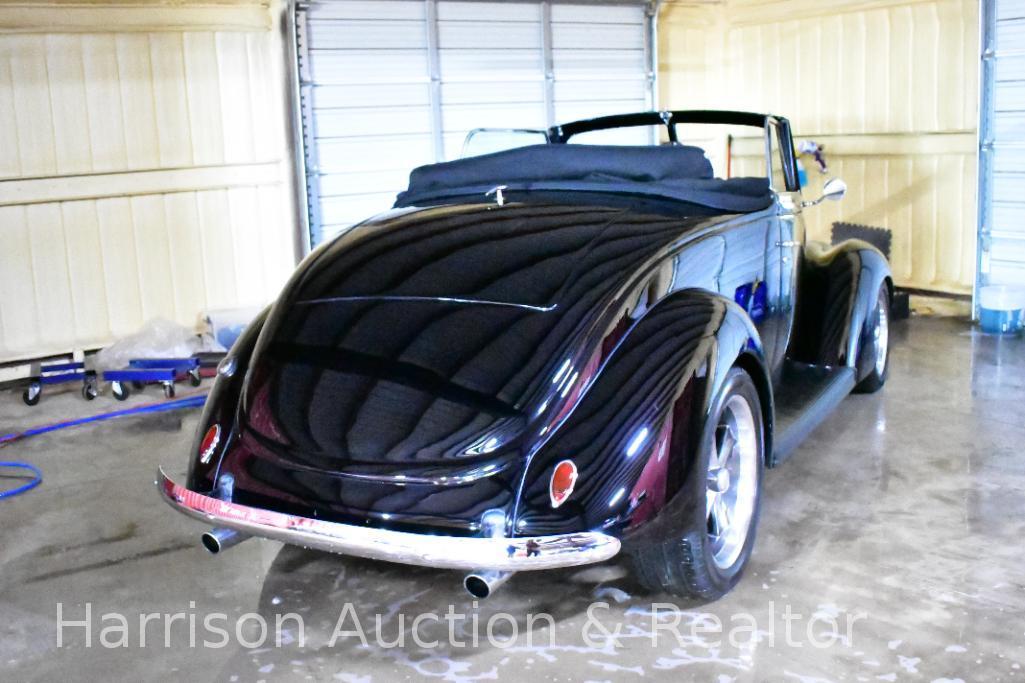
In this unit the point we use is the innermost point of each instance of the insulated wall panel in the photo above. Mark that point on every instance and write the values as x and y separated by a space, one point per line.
143 171
890 88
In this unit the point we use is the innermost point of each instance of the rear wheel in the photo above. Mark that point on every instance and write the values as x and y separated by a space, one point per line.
705 556
877 343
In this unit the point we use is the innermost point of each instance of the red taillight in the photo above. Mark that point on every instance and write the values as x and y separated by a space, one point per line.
564 478
209 443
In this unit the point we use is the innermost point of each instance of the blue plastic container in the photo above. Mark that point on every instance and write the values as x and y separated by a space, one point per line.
1001 309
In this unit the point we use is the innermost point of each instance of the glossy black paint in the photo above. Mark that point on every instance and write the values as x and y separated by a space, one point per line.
410 372
838 288
221 408
435 363
646 408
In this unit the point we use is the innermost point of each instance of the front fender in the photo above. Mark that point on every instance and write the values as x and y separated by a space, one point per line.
634 434
838 288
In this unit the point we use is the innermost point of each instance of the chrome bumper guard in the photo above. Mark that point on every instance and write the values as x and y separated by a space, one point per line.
442 552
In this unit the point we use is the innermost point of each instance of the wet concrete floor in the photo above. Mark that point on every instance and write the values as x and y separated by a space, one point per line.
897 532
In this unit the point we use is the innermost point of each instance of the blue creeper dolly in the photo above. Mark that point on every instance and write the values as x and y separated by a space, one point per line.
59 373
164 371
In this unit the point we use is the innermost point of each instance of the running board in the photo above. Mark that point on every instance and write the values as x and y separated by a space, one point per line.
805 396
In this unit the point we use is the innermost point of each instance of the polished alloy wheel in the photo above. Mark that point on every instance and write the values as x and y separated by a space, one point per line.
732 482
881 334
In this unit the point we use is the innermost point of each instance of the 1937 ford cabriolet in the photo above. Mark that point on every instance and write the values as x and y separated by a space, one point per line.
542 357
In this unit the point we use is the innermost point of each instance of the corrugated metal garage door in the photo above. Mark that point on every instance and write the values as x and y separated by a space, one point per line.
388 85
1002 153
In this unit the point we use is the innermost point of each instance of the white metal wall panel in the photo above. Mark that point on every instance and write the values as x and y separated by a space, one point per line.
485 48
368 106
1002 219
393 84
602 65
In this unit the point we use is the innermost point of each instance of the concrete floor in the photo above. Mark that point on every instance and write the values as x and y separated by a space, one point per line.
904 511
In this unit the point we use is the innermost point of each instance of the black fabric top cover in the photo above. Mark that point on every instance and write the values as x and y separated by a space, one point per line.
674 172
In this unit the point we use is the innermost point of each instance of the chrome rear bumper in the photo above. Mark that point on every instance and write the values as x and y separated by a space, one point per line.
443 552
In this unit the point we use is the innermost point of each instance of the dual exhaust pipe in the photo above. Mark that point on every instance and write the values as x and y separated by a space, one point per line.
218 539
479 584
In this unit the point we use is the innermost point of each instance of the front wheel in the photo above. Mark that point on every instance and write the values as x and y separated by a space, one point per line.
705 556
878 344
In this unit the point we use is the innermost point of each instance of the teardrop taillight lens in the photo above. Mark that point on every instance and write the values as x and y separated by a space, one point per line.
564 478
209 443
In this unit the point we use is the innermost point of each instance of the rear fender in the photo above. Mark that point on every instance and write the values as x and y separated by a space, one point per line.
221 408
634 433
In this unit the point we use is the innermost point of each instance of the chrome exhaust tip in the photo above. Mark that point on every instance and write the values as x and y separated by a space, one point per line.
482 584
219 539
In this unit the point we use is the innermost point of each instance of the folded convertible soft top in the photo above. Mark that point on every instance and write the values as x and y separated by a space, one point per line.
673 172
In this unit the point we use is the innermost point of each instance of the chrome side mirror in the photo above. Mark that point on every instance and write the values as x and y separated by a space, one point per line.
834 190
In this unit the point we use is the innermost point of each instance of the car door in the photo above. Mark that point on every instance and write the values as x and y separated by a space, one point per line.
781 254
782 250
744 276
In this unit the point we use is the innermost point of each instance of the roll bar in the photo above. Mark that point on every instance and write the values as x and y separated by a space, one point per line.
560 134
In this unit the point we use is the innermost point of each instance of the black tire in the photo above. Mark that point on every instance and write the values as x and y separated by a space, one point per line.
875 380
168 391
195 379
89 391
33 392
684 564
120 390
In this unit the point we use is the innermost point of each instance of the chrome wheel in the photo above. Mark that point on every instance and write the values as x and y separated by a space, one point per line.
881 333
732 482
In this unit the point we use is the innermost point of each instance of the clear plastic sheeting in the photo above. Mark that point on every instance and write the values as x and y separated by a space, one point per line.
158 338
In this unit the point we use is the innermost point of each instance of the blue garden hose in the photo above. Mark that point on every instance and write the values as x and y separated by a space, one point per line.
37 478
193 401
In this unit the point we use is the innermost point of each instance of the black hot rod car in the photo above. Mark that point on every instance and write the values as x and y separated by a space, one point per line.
542 357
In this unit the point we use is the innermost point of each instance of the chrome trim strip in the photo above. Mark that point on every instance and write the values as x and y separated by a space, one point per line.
441 299
441 552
